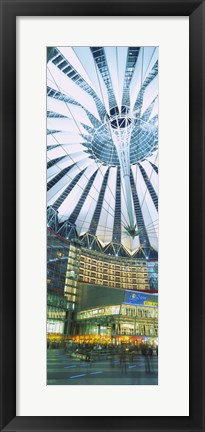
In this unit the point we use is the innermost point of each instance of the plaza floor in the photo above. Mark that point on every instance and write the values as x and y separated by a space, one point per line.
62 369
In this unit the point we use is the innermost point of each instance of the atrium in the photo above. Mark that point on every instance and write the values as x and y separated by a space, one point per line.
102 215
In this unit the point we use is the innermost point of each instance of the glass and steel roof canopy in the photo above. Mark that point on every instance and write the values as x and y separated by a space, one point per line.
102 143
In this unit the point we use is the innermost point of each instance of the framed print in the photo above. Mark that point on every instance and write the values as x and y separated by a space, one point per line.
102 126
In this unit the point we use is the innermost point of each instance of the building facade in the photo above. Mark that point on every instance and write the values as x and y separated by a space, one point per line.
99 298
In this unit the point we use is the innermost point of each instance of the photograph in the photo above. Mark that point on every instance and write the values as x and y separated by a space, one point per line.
102 215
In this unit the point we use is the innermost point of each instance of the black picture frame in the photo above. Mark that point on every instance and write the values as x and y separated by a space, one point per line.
195 9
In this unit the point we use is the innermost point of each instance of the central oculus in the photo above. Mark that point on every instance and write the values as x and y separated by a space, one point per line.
142 137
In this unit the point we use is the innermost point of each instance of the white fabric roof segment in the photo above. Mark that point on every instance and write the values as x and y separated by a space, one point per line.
85 216
55 169
106 221
150 58
69 204
57 106
79 113
136 80
148 62
112 62
145 62
64 163
126 242
64 138
151 174
67 178
155 110
135 245
56 152
131 245
56 194
52 175
66 125
68 110
85 56
154 158
148 209
72 58
121 61
61 82
51 82
63 150
69 149
150 93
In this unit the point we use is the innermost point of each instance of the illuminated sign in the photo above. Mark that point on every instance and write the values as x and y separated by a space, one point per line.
148 303
141 299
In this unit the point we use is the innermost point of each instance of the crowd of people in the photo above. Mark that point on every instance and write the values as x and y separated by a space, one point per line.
119 355
111 348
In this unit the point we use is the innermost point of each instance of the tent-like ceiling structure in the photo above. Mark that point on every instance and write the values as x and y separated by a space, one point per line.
102 143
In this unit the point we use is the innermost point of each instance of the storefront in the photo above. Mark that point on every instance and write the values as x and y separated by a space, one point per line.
132 321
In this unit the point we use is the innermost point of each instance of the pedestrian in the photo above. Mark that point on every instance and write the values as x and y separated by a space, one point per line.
123 362
151 359
147 360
